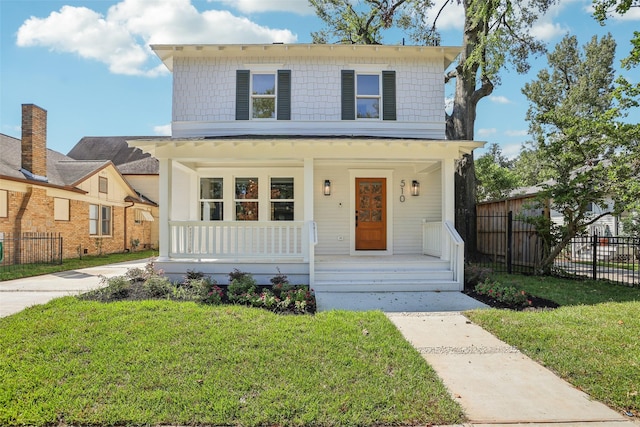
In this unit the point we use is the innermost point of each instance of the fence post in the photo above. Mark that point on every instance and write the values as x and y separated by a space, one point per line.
510 242
595 256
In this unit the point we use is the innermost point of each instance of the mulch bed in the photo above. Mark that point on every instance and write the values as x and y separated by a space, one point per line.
536 303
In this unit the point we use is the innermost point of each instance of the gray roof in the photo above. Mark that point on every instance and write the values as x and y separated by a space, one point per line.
114 148
146 166
61 170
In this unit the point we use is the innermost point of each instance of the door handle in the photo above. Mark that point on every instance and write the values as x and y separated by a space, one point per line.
356 218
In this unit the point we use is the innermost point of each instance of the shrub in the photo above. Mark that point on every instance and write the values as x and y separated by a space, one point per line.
214 294
474 275
157 287
503 293
241 288
116 288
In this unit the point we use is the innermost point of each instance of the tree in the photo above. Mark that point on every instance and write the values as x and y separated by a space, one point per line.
495 175
495 34
576 122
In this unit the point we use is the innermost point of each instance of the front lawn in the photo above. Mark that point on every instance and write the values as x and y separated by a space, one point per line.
162 362
11 272
570 291
594 347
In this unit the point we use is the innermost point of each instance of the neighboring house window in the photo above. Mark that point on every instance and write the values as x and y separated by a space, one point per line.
368 95
99 220
4 203
211 196
142 215
282 202
263 95
103 184
61 209
246 199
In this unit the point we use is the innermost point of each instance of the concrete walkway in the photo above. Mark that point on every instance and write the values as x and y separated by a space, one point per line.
495 383
16 295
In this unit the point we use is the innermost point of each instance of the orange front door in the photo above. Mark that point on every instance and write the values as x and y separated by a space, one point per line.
371 214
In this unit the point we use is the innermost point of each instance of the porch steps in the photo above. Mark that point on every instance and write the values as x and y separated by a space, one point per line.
398 276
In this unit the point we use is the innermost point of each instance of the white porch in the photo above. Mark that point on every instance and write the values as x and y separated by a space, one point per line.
316 242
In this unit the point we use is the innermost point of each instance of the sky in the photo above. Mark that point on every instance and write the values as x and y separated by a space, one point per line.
88 63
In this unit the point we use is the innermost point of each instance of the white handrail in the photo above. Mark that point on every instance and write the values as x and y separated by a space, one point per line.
456 253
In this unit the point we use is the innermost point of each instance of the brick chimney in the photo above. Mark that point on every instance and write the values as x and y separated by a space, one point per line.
34 139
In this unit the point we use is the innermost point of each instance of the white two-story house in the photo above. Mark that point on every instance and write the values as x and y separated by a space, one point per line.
327 163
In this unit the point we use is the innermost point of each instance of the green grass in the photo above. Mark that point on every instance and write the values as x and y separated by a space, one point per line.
18 272
160 362
568 291
595 347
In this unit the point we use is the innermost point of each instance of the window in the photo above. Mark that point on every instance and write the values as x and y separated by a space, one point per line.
263 95
60 209
246 198
211 204
142 215
103 184
282 203
99 220
4 203
368 95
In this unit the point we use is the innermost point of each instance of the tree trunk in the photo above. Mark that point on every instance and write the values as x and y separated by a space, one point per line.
460 126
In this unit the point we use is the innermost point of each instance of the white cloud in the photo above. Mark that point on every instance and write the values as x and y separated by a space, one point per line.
448 105
451 17
300 7
486 132
511 151
162 130
121 38
498 99
516 132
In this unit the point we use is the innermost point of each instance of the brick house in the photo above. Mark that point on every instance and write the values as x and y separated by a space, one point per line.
88 203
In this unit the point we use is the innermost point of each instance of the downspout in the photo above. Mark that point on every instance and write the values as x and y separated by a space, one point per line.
125 225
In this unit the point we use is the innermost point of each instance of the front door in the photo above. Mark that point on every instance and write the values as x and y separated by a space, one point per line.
371 214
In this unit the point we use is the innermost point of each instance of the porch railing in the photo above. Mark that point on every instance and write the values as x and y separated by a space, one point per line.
431 238
456 251
237 239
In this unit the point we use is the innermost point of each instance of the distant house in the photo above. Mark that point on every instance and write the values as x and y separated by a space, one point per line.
138 168
88 202
327 163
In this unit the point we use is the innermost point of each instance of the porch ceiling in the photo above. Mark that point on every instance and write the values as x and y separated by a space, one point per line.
298 148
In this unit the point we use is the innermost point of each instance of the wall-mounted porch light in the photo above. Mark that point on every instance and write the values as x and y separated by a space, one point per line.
327 187
415 188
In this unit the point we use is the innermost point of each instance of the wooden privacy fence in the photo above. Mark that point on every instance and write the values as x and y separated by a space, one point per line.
507 244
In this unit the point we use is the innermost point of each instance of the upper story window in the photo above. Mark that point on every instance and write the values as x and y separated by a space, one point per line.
368 95
263 95
103 184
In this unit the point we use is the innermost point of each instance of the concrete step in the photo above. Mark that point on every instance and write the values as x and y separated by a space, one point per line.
383 276
395 286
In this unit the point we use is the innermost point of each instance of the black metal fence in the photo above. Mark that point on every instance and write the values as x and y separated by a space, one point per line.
615 259
29 249
507 244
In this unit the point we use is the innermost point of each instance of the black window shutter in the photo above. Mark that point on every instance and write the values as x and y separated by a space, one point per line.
348 95
283 97
389 95
242 94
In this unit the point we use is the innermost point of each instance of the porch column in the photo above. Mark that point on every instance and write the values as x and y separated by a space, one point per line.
165 202
308 215
448 202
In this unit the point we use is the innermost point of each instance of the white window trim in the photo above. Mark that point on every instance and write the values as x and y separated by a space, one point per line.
98 220
200 200
378 96
252 97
